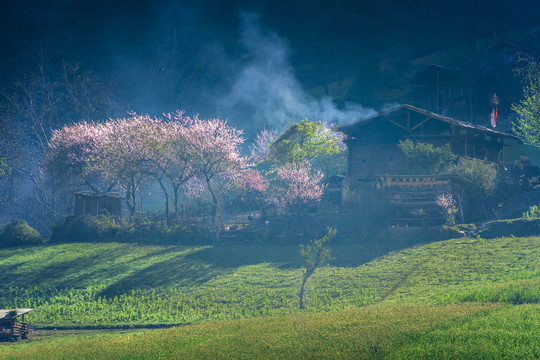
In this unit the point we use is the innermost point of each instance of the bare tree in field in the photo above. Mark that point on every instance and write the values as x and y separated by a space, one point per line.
315 254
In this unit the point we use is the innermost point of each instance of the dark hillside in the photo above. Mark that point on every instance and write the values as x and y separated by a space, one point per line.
168 53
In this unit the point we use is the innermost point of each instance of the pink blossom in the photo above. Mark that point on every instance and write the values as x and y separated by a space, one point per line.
179 152
194 188
299 185
447 202
260 149
252 180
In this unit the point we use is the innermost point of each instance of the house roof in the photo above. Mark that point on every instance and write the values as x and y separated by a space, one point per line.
461 124
99 195
5 314
501 43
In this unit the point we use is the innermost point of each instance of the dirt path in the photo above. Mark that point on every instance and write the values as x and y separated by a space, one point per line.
37 334
408 274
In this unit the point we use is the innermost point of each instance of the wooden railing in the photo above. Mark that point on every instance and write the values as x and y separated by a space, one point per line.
20 329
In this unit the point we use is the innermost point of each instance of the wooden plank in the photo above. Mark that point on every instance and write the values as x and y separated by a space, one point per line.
416 193
403 184
397 124
416 218
417 204
421 123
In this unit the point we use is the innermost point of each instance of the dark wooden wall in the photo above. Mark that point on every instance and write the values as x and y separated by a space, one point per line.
375 159
89 205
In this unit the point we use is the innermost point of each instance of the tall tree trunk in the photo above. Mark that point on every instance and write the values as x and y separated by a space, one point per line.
176 189
216 199
217 216
164 189
131 203
131 197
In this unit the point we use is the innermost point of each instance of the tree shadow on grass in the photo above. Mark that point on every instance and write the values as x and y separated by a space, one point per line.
78 272
174 266
349 253
198 267
183 270
364 251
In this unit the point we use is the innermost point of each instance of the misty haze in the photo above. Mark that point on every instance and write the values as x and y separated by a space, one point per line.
262 179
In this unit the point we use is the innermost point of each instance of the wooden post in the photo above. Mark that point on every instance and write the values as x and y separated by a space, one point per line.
460 204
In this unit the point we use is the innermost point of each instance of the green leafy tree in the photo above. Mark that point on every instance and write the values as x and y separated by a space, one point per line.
311 141
315 254
527 124
482 175
427 158
483 179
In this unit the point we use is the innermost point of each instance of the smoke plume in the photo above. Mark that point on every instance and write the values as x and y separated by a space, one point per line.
265 91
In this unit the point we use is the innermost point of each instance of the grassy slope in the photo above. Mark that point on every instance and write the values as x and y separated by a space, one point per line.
114 284
465 331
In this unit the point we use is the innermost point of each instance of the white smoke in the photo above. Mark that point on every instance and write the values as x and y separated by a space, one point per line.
267 90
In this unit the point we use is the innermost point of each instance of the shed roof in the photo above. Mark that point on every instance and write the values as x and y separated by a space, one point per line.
461 124
99 195
5 314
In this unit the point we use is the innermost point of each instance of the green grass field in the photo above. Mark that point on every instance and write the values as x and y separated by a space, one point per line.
388 297
461 331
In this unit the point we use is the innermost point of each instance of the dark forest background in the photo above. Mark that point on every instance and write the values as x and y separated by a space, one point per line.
158 56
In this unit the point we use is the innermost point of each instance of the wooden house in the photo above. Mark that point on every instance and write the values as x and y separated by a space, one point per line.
373 152
373 142
87 203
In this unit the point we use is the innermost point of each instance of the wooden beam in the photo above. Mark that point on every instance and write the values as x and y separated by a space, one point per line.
428 136
421 123
397 124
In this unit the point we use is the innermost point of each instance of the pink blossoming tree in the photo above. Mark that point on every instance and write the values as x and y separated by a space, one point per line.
214 152
449 208
125 154
260 148
178 153
72 155
298 187
169 162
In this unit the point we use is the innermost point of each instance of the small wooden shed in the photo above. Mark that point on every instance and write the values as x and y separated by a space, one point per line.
87 203
12 324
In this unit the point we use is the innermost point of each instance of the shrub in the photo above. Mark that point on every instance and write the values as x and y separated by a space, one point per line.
452 232
427 158
483 180
105 228
533 213
19 233
75 229
482 175
519 228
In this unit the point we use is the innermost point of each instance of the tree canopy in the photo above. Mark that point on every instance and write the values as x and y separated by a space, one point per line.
308 140
426 158
527 125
